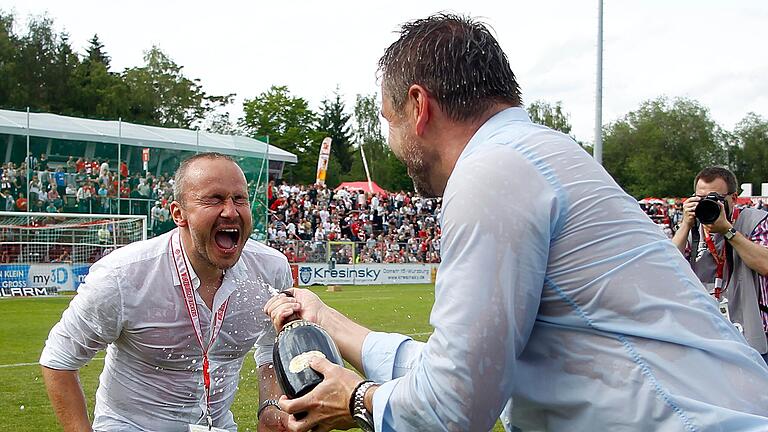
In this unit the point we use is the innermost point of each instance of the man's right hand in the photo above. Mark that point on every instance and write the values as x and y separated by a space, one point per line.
304 303
689 215
348 335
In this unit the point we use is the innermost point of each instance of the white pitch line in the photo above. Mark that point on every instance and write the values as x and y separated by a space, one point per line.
32 364
4 366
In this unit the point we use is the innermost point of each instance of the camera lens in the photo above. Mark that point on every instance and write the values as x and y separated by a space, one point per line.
707 211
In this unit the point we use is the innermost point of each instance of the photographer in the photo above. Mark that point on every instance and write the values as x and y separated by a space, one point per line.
728 250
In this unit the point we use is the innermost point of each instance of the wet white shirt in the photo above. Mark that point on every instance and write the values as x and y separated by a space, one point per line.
559 299
131 303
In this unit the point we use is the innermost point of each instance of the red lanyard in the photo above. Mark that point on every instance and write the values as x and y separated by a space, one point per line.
719 258
189 300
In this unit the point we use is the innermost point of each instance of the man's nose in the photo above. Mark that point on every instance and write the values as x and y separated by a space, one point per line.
229 209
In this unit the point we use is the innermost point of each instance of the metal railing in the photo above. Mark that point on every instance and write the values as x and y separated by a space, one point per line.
313 251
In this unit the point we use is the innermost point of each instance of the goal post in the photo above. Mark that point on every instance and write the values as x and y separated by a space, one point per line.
32 238
341 252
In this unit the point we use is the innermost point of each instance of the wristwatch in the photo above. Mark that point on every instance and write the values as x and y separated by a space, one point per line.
362 416
266 404
730 233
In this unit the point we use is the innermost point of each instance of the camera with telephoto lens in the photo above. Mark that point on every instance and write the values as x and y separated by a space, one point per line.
707 210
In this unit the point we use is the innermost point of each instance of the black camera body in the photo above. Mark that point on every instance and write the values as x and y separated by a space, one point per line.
707 210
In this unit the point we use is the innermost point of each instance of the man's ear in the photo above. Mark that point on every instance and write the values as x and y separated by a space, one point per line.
418 107
177 213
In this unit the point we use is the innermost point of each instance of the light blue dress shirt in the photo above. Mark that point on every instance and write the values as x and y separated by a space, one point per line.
559 302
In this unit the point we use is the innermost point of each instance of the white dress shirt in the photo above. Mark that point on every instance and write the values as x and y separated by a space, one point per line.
131 303
558 299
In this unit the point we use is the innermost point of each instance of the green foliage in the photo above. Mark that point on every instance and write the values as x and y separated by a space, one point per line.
95 52
221 123
551 116
33 66
334 122
289 123
165 97
749 155
8 53
659 149
385 168
40 70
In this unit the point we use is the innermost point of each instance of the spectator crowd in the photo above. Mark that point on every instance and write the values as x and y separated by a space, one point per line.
667 213
306 222
317 224
85 185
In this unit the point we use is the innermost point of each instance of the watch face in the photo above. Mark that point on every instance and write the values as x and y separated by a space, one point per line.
364 422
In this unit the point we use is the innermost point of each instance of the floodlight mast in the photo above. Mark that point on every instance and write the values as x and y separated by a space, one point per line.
598 148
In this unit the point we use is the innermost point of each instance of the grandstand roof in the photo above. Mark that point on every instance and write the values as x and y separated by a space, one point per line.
112 132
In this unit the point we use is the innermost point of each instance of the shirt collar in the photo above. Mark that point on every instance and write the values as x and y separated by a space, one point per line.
229 284
512 114
486 131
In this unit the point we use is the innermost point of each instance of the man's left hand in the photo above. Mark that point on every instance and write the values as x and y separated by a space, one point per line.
327 406
722 224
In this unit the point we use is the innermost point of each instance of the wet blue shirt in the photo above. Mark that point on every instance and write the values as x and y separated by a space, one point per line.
558 299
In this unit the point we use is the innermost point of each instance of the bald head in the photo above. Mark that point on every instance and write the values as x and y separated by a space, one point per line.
180 179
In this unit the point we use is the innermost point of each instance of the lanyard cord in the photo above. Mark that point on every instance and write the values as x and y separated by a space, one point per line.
181 267
719 258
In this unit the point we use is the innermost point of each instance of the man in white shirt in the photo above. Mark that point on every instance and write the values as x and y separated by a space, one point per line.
558 304
176 315
324 215
104 169
156 215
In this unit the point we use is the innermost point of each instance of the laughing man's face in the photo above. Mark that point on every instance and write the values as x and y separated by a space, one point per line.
217 212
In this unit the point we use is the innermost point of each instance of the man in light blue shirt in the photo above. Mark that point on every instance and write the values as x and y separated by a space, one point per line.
558 304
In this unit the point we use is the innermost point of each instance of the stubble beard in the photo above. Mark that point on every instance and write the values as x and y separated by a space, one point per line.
418 169
200 247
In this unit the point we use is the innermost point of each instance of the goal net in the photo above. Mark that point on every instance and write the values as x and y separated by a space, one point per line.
31 238
341 252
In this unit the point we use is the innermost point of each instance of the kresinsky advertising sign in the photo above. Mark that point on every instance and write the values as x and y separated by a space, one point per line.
363 274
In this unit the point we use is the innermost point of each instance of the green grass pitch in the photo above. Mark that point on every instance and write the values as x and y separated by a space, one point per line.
25 322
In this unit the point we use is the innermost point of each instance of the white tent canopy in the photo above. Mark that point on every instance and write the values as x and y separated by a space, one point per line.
112 132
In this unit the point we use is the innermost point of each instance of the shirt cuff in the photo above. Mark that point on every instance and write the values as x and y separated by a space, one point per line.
379 354
58 360
263 355
380 402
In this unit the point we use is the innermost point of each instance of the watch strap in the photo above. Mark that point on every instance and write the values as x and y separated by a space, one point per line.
266 404
353 397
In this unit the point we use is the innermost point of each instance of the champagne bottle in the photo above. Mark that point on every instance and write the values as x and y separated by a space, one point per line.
299 341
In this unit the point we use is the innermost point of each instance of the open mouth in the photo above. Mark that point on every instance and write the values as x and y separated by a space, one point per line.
227 238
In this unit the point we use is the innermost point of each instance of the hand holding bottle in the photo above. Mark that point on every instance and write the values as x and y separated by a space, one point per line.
304 303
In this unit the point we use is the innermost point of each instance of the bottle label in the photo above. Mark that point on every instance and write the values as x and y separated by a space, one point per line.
301 361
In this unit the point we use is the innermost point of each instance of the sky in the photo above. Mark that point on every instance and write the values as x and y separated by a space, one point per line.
712 51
